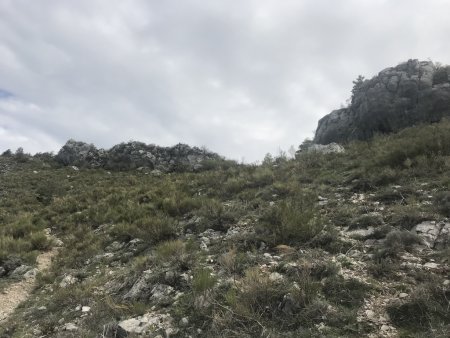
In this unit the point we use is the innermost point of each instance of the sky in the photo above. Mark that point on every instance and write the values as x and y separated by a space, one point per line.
240 77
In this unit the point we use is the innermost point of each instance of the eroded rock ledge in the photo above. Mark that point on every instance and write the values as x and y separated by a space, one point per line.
133 155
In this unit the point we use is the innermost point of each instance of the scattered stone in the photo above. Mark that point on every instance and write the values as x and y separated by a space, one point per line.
156 172
115 246
70 327
31 273
385 327
402 295
184 321
85 309
150 323
141 288
203 246
20 271
431 265
162 294
67 280
276 277
370 314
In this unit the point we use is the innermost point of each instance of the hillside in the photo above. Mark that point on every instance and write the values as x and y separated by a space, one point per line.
347 244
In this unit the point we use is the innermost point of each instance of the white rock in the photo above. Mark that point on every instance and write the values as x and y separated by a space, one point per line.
431 265
70 327
150 322
184 321
85 309
402 295
370 314
67 280
203 246
31 273
276 277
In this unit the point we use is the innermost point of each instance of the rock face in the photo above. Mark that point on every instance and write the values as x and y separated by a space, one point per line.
411 93
435 235
133 155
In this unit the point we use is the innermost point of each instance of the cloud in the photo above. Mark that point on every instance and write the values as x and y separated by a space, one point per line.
241 77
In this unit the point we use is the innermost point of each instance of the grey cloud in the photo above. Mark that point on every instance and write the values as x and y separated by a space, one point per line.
240 77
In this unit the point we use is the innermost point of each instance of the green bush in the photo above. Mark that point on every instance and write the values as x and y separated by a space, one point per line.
442 202
203 281
427 308
292 221
397 242
402 149
346 292
39 241
366 220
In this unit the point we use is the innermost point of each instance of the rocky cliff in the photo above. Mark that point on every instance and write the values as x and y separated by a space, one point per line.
133 155
411 93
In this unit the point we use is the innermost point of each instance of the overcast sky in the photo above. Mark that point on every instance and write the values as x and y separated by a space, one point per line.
241 77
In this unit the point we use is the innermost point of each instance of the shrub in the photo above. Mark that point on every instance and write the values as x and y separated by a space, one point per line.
443 203
402 149
366 220
39 241
178 204
426 308
258 301
203 281
292 221
174 252
346 292
396 242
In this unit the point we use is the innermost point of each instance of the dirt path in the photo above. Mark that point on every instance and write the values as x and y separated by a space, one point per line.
18 292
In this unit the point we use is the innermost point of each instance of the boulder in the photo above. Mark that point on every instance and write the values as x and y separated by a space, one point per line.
411 93
325 149
141 289
80 154
435 235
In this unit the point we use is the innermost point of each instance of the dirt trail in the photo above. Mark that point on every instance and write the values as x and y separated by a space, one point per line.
16 293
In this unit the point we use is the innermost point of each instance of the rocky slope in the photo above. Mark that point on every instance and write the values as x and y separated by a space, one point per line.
411 93
333 243
133 155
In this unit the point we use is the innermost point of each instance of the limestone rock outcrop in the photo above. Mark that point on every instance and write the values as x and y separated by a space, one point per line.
134 155
411 93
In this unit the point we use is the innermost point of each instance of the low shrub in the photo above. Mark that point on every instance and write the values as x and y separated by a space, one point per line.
203 281
292 221
427 308
442 202
346 292
364 221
